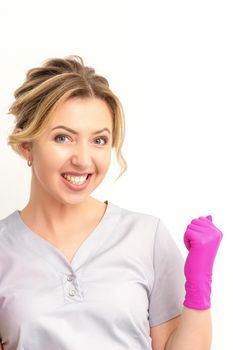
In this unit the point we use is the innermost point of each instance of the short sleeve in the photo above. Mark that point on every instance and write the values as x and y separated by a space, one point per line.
167 295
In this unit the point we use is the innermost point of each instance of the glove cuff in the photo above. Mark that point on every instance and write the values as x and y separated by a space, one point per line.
198 295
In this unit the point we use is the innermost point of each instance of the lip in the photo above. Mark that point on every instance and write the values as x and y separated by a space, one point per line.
73 173
76 188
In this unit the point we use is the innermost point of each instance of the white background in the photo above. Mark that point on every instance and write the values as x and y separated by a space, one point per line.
170 63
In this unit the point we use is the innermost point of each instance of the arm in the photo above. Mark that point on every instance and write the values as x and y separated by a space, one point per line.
192 330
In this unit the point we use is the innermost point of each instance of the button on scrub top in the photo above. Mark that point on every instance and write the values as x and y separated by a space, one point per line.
126 277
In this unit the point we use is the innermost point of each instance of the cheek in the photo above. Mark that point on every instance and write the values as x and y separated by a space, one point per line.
48 160
104 161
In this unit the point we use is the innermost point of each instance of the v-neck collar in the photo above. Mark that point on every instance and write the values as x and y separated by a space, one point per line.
84 253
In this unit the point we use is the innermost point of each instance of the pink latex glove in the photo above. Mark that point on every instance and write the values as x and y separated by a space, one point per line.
202 239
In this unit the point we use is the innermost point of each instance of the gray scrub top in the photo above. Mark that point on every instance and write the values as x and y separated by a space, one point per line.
126 277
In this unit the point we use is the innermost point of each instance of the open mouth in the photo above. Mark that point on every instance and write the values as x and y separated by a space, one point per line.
76 180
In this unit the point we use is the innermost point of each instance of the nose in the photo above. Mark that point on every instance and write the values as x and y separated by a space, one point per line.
81 156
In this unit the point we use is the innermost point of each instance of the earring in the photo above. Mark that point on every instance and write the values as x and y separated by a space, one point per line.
29 163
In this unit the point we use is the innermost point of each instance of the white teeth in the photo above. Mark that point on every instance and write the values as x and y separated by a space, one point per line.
76 180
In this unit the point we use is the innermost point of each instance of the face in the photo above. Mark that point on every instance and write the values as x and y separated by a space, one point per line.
76 143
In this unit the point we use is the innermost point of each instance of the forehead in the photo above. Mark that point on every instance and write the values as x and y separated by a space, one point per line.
76 111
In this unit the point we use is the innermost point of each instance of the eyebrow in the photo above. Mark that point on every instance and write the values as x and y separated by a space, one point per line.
76 133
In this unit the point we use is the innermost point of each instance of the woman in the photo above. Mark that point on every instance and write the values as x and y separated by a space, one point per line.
78 273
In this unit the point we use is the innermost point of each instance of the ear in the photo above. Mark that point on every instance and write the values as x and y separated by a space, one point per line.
24 147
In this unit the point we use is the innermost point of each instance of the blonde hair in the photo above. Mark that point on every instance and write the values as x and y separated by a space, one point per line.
51 84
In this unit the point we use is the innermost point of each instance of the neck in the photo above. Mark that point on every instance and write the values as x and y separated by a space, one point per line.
56 218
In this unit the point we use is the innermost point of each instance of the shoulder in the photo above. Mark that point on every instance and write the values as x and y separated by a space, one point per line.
6 223
137 215
137 218
144 222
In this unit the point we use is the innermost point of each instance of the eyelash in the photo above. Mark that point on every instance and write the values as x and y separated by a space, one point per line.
100 137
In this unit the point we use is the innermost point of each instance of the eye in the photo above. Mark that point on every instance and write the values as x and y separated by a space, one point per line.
60 138
105 139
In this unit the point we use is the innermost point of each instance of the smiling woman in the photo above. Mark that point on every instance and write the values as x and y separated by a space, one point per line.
72 266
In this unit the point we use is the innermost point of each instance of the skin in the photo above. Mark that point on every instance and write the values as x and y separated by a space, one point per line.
55 208
190 331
